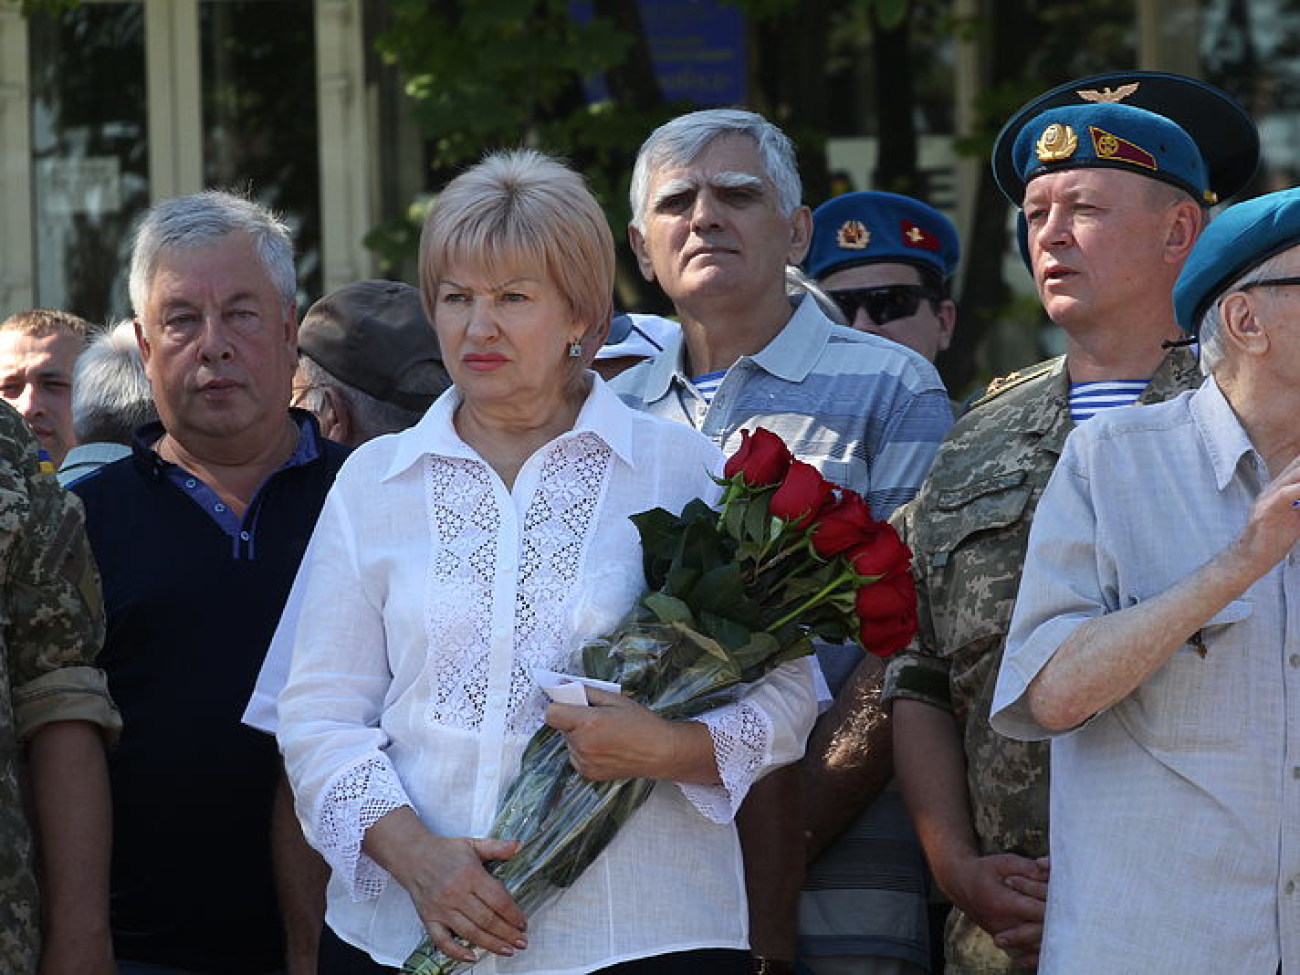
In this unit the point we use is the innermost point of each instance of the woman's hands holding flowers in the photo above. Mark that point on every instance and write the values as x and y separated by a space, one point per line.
462 905
617 738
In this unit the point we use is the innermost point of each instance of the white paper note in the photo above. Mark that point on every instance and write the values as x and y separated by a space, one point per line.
568 689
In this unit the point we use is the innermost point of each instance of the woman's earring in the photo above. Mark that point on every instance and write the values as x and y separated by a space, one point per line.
575 349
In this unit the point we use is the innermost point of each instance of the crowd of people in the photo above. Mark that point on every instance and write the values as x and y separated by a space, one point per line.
276 588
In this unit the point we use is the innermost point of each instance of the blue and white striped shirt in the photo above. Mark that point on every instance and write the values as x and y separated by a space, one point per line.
866 412
1088 399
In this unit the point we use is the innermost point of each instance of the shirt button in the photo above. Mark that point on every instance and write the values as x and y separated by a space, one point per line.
1294 660
1290 887
245 537
218 507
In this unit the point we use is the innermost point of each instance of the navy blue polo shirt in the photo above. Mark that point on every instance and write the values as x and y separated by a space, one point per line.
193 595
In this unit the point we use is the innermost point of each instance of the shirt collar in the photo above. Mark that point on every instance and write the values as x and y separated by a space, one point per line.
307 449
791 355
1224 437
1174 374
602 414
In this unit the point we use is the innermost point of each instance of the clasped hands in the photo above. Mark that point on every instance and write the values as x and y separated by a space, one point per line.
1006 895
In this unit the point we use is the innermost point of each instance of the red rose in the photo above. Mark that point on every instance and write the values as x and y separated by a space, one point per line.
841 526
881 553
801 496
887 613
892 595
762 458
884 638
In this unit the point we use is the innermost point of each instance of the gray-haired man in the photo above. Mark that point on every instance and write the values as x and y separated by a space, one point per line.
1155 642
717 217
198 535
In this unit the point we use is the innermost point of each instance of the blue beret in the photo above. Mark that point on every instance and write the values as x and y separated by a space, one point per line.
1242 237
873 227
1162 125
1113 137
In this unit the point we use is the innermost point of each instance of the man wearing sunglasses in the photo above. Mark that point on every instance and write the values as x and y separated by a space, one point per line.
885 259
1113 176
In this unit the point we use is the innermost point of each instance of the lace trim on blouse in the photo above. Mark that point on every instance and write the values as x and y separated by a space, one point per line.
742 741
355 801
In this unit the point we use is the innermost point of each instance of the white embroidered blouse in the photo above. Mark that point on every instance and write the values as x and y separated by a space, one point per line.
427 596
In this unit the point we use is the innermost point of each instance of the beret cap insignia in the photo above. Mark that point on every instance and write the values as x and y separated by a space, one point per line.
853 235
1109 146
1056 143
1110 96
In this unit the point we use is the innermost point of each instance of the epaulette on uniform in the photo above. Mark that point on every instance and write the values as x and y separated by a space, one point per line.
1010 381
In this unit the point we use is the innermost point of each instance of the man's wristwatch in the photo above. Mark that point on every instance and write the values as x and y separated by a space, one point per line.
772 966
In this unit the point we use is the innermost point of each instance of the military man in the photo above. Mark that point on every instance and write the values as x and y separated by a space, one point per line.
55 717
885 259
1112 175
38 350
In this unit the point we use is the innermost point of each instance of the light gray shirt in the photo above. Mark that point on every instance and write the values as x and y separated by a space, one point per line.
87 457
1175 813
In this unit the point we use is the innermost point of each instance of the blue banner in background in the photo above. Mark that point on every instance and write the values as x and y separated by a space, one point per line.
698 49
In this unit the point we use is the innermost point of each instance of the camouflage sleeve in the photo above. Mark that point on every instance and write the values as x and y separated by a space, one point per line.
53 611
917 672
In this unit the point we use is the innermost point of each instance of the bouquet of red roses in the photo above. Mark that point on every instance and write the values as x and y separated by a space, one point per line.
733 593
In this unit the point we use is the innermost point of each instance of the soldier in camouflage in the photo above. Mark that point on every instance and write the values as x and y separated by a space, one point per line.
55 716
1112 198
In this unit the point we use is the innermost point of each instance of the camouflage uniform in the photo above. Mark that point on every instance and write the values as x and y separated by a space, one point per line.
969 529
53 626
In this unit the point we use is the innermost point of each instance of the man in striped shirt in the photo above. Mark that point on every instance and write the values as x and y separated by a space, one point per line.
717 217
1113 176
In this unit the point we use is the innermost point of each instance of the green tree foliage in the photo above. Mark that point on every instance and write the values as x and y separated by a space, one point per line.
489 74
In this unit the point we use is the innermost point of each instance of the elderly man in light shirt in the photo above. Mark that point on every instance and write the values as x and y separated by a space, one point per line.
1156 640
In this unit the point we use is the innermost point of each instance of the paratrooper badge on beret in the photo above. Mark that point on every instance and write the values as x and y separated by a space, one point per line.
1109 146
1056 143
853 235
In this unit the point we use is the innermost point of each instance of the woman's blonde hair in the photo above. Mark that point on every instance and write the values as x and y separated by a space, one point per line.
521 208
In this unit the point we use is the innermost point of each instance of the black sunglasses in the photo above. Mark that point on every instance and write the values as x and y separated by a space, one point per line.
885 303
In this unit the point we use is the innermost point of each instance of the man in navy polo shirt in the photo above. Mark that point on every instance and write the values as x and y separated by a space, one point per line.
198 536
